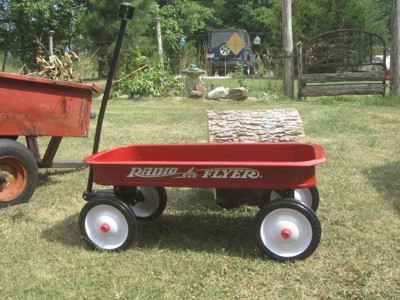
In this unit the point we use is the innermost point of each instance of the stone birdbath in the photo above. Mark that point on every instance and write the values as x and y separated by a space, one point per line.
193 73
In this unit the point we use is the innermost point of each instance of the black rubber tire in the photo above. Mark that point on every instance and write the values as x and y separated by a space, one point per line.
313 192
150 204
14 156
308 227
117 207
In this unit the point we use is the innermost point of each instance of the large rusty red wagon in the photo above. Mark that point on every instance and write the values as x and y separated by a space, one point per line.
33 107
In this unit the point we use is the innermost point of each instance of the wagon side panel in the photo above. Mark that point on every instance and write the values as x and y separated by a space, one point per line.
31 107
205 176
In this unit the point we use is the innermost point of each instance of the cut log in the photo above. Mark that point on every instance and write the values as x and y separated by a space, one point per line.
268 125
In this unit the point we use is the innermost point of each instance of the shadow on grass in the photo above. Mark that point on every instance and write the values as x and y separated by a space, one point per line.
386 180
200 232
65 232
47 176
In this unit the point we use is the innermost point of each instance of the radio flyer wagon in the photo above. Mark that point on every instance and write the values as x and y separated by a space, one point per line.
285 229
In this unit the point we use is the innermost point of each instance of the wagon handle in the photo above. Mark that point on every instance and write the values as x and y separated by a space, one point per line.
126 11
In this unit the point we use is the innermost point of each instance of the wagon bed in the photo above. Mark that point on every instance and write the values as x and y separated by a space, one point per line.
33 106
227 165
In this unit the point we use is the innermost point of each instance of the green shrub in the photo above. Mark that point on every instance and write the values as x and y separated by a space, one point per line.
155 80
239 73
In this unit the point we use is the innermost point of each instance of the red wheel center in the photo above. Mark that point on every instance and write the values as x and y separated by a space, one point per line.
105 227
286 233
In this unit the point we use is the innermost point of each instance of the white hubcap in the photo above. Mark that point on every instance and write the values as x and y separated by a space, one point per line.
106 227
150 204
302 195
286 232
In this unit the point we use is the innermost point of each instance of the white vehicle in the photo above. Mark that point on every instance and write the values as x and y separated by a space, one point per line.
379 58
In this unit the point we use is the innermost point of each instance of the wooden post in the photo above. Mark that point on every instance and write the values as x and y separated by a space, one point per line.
394 51
159 39
288 47
51 58
300 83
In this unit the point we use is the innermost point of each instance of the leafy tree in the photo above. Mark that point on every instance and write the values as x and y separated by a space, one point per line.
184 18
377 18
312 17
25 24
101 25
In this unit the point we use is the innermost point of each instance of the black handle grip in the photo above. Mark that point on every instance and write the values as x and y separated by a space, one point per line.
126 11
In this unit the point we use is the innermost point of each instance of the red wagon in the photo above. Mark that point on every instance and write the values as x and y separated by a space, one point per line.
286 229
34 107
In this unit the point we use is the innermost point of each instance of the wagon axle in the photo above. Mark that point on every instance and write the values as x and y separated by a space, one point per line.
105 227
286 233
4 178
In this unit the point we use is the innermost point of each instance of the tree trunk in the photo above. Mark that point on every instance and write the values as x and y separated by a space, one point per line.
288 47
395 54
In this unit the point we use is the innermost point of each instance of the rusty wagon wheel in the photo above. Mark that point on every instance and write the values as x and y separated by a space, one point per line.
18 173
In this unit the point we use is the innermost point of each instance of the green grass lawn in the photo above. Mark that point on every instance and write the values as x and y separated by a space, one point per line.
197 250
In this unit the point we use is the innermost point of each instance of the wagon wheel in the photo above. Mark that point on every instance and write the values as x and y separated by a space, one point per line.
287 230
18 173
224 50
148 203
108 223
308 196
